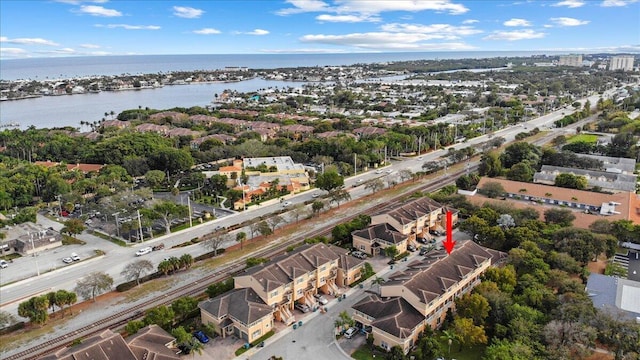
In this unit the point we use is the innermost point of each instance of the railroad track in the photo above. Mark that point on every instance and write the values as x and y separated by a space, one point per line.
121 318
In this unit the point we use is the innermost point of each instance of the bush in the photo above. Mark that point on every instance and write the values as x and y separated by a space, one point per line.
208 255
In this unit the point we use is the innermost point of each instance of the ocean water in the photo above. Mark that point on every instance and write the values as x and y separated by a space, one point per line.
70 67
59 111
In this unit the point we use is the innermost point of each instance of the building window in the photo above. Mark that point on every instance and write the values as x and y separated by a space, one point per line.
300 280
323 268
299 291
384 345
275 293
256 333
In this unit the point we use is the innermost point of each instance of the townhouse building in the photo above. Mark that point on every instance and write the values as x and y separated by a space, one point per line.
403 226
421 295
269 292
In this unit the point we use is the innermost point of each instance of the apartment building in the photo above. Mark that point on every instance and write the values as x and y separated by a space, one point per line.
269 291
240 312
421 295
622 62
570 60
403 226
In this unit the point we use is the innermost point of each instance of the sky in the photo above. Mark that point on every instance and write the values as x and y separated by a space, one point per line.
55 28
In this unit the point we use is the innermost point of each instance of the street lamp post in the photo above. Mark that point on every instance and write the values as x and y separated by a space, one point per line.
189 205
35 256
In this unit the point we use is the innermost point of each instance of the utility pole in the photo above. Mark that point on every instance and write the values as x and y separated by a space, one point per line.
189 205
117 225
140 226
355 167
35 256
59 197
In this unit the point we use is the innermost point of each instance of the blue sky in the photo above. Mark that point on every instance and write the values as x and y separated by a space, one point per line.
74 27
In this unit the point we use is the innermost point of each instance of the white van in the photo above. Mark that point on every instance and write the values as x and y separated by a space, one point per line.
143 251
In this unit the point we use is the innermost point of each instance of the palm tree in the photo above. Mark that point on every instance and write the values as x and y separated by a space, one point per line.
186 260
450 336
377 281
241 237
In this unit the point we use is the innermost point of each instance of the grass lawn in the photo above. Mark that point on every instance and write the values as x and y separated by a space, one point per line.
588 138
467 353
365 353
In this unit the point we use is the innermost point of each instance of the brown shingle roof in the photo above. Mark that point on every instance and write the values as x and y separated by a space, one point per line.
242 304
151 343
409 212
104 346
383 232
394 315
432 276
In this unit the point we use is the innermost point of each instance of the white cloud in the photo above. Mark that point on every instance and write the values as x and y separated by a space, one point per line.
441 31
90 46
378 6
384 41
347 18
187 12
470 21
517 22
617 3
28 41
566 21
94 10
515 35
77 2
302 6
12 52
302 51
570 3
207 31
129 27
99 53
371 7
258 32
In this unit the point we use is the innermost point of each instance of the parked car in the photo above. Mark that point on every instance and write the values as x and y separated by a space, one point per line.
286 203
201 336
75 257
359 254
411 248
321 299
315 195
144 251
3 264
67 260
303 307
350 332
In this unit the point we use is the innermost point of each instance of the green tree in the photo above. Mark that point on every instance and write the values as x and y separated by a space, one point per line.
65 298
468 333
136 269
339 195
396 353
154 178
490 164
93 284
162 316
241 237
562 217
391 251
521 171
168 211
6 319
170 160
519 152
73 227
186 261
492 189
35 309
450 336
374 185
504 349
133 326
429 348
329 181
317 206
184 306
571 181
473 306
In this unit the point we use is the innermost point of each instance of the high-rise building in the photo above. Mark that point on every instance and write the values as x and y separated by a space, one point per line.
570 60
623 62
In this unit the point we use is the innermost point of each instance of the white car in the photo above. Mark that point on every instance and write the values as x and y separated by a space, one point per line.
3 264
75 257
378 171
143 251
350 332
67 260
316 195
321 299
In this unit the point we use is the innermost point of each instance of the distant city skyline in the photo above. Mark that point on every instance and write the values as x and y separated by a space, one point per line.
58 28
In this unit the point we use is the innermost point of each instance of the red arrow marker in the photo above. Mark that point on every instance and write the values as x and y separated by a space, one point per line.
449 243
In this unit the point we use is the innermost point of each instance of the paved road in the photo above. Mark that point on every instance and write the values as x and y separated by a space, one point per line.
116 257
